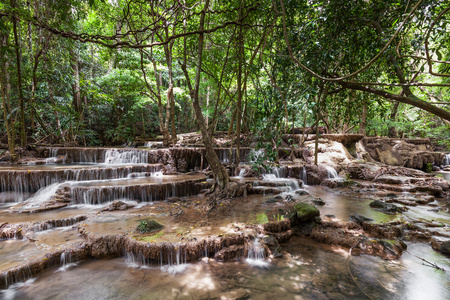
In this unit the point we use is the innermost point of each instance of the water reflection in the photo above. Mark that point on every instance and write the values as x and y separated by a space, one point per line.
308 271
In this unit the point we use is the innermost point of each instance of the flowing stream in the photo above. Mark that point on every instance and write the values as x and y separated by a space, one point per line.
307 270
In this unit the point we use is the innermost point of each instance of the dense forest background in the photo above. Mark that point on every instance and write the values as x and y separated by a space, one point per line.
95 72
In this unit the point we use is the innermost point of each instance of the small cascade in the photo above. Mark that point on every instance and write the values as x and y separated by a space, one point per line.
53 157
43 195
173 259
256 254
28 181
331 172
136 260
143 193
241 173
177 262
304 176
50 224
66 262
255 156
115 157
279 175
446 160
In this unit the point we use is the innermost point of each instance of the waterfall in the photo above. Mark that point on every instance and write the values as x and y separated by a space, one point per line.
331 172
115 157
304 176
255 156
66 262
256 254
446 160
53 157
43 195
279 175
241 173
176 264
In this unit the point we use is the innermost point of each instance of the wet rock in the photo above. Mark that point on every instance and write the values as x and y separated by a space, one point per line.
48 224
318 201
277 227
441 244
262 190
146 226
230 253
301 192
359 219
386 230
305 212
330 216
387 207
10 231
381 248
273 245
118 205
417 236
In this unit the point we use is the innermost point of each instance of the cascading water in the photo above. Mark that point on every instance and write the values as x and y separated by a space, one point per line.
256 254
53 157
176 261
66 262
304 176
279 175
446 160
43 195
331 172
255 156
115 157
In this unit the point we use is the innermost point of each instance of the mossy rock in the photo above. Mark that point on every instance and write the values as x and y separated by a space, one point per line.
146 226
306 212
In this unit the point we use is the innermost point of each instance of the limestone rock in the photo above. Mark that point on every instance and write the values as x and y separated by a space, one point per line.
305 212
441 245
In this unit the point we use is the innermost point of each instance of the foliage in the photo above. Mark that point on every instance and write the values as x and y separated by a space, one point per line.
146 226
91 88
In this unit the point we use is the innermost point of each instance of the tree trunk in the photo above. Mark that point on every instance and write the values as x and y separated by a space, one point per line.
170 97
9 124
219 172
23 135
239 98
362 127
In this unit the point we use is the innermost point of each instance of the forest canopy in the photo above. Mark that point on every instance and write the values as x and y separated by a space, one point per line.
96 72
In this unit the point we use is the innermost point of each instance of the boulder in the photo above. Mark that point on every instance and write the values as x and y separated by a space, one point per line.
441 245
387 208
305 212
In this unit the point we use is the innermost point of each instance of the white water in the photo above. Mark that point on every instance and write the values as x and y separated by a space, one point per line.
43 195
10 293
116 157
279 176
331 172
304 176
53 157
256 155
66 262
446 160
256 256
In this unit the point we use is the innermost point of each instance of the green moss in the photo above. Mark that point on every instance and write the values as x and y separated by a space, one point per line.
306 212
146 226
262 218
153 237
